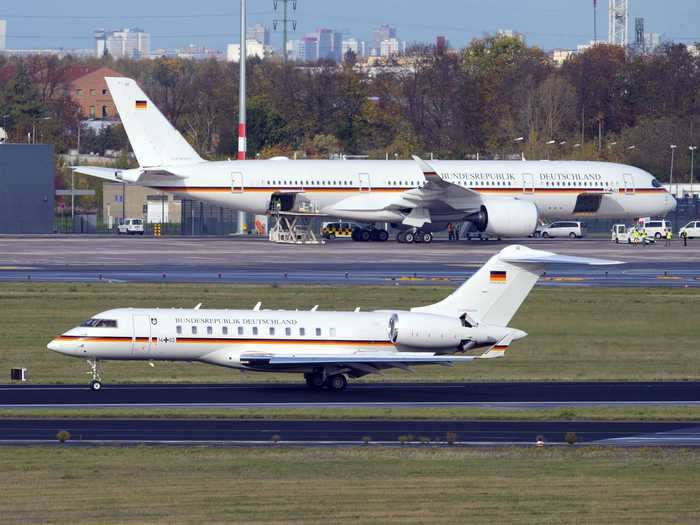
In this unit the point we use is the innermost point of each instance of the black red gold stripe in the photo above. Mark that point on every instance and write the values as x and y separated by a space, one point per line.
141 104
346 189
498 276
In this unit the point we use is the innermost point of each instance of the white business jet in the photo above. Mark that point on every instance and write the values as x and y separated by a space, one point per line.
326 347
499 198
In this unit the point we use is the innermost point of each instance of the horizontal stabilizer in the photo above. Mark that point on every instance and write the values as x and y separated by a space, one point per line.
523 255
100 173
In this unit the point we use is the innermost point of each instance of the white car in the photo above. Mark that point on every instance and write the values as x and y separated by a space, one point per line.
131 227
657 228
570 229
691 230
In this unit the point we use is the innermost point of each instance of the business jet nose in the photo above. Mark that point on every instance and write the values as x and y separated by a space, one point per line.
59 346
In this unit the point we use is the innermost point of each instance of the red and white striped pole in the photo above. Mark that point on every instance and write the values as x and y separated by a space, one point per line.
242 146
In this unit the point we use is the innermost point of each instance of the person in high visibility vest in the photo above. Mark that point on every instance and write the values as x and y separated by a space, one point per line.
669 237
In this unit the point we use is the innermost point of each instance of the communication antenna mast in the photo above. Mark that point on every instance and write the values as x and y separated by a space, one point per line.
639 34
618 24
285 21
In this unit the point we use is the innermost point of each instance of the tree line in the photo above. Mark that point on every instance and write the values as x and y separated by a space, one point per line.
601 104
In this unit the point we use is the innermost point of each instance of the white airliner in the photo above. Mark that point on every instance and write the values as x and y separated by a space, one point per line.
500 198
325 346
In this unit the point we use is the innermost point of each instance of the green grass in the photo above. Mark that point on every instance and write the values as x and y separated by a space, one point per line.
597 413
575 333
358 485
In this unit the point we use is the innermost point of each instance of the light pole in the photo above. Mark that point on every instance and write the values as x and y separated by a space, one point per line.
670 179
519 141
549 143
692 167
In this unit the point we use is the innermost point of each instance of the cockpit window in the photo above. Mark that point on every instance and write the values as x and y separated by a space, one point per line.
656 183
99 323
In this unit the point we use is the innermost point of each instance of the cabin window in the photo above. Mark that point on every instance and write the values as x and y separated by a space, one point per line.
287 331
240 330
302 331
318 332
210 330
272 330
178 330
224 330
194 330
332 332
255 330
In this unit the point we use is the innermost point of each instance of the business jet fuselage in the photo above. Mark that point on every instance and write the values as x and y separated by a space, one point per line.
325 346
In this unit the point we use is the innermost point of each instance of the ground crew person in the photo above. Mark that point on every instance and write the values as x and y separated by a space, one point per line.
685 238
450 232
669 236
457 230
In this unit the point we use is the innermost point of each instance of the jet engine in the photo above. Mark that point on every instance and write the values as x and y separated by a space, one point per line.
426 331
505 218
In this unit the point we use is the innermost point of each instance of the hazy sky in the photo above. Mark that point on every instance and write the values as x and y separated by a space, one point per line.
175 23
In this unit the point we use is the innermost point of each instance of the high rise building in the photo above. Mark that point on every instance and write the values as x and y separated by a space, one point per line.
389 47
325 44
253 49
307 50
259 33
350 44
127 43
382 33
3 35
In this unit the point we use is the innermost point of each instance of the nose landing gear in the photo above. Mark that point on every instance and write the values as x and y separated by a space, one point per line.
96 371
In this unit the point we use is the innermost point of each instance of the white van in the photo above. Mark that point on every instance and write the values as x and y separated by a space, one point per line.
691 230
621 233
656 228
570 229
131 227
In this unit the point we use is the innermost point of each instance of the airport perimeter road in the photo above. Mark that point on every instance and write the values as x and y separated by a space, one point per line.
330 432
93 258
512 395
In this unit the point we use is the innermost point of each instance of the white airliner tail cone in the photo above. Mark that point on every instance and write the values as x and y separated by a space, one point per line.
154 140
494 293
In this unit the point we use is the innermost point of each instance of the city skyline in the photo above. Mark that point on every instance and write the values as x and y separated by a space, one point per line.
547 23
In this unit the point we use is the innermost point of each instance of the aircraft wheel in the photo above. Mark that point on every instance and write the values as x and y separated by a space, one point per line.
314 381
365 236
400 237
355 235
337 382
374 235
426 237
409 237
383 236
95 386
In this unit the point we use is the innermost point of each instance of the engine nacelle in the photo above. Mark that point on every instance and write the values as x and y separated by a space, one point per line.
426 330
506 217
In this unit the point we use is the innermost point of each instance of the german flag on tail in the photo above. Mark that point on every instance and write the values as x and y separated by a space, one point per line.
141 104
498 277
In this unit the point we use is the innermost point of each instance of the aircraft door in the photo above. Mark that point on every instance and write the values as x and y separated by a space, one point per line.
365 182
629 184
528 183
237 182
141 337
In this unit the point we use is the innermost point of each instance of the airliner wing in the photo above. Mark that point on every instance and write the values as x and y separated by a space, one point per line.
388 359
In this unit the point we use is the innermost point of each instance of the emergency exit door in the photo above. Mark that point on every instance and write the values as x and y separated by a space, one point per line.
141 339
364 182
629 184
528 183
237 182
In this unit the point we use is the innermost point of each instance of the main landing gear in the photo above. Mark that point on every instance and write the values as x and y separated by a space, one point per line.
317 381
369 234
96 371
417 236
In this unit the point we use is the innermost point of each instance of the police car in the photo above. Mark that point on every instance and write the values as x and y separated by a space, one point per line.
339 230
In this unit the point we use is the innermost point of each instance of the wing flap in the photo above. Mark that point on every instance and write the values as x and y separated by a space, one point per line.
352 358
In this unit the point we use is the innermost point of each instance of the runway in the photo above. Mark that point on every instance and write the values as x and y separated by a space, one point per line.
505 395
92 258
343 432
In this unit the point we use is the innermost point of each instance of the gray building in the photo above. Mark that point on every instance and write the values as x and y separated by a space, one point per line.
26 188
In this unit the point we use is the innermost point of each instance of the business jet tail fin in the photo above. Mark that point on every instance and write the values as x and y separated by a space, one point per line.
154 140
495 292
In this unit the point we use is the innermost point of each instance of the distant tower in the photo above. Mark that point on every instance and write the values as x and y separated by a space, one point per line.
618 24
285 22
639 35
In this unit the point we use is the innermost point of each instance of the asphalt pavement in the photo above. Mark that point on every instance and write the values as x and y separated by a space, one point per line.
93 258
343 432
505 394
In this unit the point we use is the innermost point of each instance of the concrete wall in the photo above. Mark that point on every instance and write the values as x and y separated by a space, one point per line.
26 188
